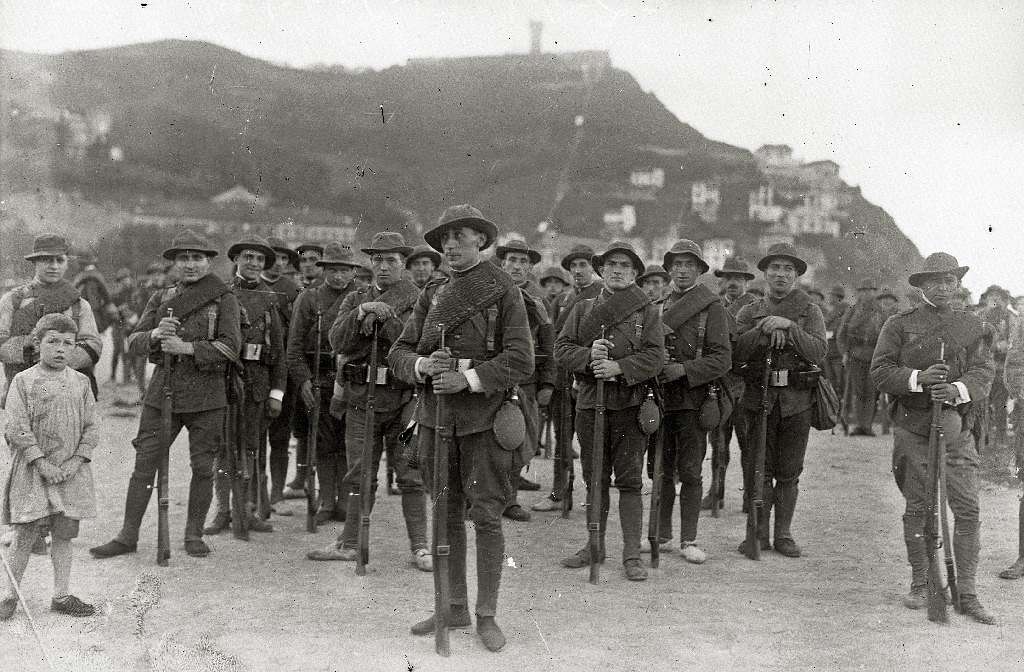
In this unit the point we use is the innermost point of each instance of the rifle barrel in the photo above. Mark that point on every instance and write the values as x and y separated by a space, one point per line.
314 428
442 550
365 476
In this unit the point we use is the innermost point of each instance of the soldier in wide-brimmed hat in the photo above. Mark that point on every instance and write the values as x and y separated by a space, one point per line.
856 338
323 299
995 310
617 338
554 281
385 306
421 264
654 281
932 354
475 371
198 322
788 323
699 354
310 253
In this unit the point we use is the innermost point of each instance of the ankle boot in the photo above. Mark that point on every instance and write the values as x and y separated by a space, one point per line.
917 556
326 474
631 513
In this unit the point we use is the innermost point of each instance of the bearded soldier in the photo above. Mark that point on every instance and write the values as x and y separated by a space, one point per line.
487 352
699 353
386 306
616 337
47 292
263 380
788 323
339 265
734 276
585 286
421 264
926 354
517 259
856 339
196 321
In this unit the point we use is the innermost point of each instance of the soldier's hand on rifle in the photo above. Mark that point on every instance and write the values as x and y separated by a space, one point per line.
778 339
307 394
450 382
673 372
382 310
599 349
606 368
173 345
773 322
934 374
168 327
544 396
273 407
944 392
50 472
438 362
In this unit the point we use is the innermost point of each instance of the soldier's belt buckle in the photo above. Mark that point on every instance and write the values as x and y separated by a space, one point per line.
382 375
252 352
779 378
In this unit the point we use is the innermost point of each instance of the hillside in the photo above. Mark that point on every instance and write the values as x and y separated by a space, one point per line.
528 137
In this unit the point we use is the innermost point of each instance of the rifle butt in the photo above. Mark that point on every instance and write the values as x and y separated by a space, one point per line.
442 548
596 494
163 534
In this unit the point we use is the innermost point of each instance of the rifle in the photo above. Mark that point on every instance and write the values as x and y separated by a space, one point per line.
241 474
654 521
365 501
717 447
564 448
596 480
755 498
845 405
441 550
314 427
163 501
936 592
545 415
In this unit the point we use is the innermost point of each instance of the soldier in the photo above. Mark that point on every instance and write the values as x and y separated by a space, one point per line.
654 282
263 381
203 336
93 287
280 428
733 276
124 290
788 322
309 255
699 354
155 281
834 359
932 347
517 259
47 292
388 304
421 264
1013 378
363 277
488 352
339 266
996 311
585 286
554 281
856 339
616 337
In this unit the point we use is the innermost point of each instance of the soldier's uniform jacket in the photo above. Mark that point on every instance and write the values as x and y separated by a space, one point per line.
353 347
1013 373
262 354
731 379
832 322
910 341
94 290
213 328
493 342
543 334
1003 322
287 291
858 331
638 345
684 311
562 308
805 348
302 333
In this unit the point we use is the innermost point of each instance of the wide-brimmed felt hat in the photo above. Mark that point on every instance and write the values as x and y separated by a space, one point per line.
305 247
554 273
681 247
621 247
994 289
279 245
652 270
421 251
336 254
48 245
189 240
735 266
517 246
938 263
785 251
388 241
258 244
461 215
578 252
867 283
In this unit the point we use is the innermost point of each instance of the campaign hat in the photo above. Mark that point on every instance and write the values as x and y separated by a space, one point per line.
387 241
461 215
279 245
556 273
937 263
623 248
421 251
517 246
578 252
336 254
683 247
258 244
785 251
48 245
189 240
735 266
652 270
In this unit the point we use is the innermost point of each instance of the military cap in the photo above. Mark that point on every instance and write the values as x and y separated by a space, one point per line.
279 245
683 247
48 245
421 251
652 270
785 251
461 215
307 247
867 283
189 240
554 273
517 246
336 254
258 244
618 246
938 263
578 252
388 241
735 266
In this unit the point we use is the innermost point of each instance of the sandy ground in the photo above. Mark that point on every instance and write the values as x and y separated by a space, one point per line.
262 606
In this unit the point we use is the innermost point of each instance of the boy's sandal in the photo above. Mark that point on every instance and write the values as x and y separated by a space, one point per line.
72 606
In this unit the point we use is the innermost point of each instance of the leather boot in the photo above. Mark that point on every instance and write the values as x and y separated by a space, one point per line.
784 497
136 501
917 556
327 477
665 507
490 558
966 546
631 514
414 510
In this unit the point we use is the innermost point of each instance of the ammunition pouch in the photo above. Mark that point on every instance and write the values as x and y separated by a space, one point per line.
805 380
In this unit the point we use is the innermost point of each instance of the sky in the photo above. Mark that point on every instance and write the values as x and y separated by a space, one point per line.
920 103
